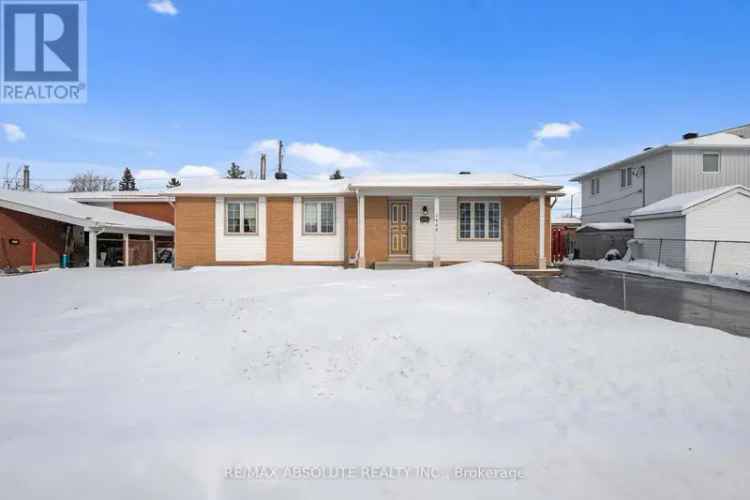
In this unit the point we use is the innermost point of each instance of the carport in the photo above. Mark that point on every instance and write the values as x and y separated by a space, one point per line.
49 226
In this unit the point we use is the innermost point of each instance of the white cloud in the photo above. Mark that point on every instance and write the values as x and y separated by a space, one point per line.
197 171
13 133
165 7
326 155
151 174
316 153
556 130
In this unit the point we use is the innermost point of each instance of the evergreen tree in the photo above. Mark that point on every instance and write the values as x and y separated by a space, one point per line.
336 175
173 183
235 172
127 183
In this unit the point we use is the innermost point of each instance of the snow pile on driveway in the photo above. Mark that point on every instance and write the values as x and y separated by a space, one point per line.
736 281
150 383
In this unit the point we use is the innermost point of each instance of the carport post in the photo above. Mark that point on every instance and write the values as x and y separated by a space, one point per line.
92 249
153 249
126 249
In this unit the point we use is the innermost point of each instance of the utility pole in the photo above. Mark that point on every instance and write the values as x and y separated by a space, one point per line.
26 178
571 204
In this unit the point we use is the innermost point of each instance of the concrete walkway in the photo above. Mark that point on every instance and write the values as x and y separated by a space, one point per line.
727 310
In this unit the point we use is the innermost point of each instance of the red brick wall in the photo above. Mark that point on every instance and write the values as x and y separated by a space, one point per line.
49 235
162 211
521 231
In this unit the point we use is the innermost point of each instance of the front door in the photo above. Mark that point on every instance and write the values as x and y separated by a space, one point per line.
399 227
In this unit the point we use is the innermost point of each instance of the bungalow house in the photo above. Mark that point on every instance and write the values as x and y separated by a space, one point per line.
399 220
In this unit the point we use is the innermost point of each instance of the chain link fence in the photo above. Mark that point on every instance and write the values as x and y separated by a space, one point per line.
694 256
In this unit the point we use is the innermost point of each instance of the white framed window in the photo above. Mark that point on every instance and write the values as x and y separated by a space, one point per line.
711 163
478 220
626 177
319 217
594 186
241 217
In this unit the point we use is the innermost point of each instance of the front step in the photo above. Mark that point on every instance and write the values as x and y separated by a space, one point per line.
400 264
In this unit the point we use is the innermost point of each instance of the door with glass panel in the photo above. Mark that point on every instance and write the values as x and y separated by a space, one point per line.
399 227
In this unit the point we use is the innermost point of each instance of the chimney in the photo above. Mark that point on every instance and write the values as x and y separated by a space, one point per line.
263 166
690 135
280 174
26 178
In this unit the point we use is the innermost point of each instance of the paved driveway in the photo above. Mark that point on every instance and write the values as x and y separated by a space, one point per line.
727 310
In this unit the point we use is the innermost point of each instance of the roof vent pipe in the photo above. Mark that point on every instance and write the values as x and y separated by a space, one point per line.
263 167
280 174
690 135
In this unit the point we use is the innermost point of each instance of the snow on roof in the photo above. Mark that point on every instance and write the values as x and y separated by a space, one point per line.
496 180
565 220
607 226
733 137
331 187
61 208
678 203
214 186
141 196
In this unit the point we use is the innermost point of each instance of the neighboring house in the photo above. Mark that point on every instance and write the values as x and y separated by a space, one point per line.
682 231
153 205
54 225
406 219
697 162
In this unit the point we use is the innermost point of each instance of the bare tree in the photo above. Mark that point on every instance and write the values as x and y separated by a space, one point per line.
88 181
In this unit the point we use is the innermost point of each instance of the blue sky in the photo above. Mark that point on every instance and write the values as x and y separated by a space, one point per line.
386 86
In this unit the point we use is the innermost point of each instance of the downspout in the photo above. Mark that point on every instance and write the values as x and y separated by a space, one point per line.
356 256
643 188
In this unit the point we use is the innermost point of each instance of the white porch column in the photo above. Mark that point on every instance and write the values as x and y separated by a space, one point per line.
92 249
153 249
542 232
361 230
436 233
126 249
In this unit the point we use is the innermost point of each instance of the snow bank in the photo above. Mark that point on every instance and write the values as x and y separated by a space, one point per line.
119 385
737 281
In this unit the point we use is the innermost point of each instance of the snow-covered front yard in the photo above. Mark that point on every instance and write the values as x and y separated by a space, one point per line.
149 383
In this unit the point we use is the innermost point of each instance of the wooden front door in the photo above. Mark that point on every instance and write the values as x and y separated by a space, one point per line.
399 227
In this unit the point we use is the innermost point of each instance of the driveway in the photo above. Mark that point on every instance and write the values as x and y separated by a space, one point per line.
727 310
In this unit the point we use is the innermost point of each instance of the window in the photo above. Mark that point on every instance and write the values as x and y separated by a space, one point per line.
479 220
241 217
710 163
595 186
626 177
319 217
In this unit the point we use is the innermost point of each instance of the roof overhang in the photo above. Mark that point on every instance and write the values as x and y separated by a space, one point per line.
86 223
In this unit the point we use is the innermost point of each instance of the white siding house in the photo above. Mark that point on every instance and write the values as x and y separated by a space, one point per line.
681 231
695 163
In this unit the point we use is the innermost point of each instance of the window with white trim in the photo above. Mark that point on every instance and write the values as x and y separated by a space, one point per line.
319 217
711 163
478 220
241 217
626 177
594 186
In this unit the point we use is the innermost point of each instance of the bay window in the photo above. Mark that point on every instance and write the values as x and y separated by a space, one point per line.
478 220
